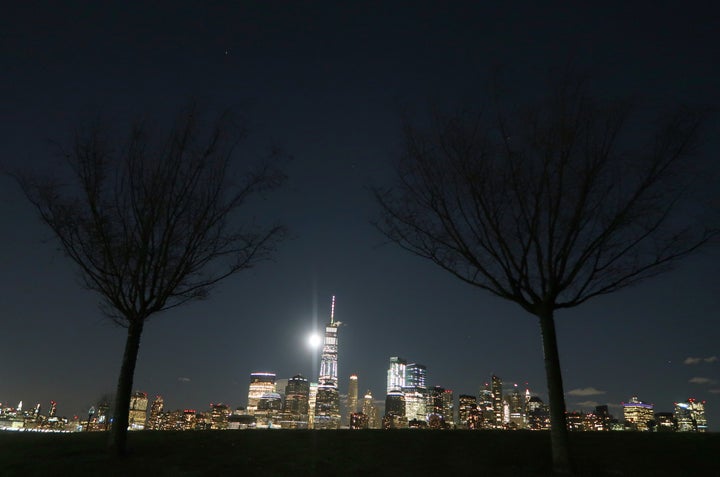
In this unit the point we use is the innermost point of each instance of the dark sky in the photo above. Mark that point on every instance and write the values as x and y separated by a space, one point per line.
326 82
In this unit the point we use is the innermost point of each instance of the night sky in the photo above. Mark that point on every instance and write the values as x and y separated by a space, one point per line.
327 83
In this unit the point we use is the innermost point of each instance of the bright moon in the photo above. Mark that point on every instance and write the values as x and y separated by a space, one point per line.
314 340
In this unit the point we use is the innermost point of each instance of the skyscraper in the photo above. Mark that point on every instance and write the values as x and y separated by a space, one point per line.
352 396
396 374
138 411
260 383
370 410
327 401
416 375
467 407
638 413
155 421
690 416
497 397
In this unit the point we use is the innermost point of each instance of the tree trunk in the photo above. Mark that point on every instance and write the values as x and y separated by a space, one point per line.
118 433
562 462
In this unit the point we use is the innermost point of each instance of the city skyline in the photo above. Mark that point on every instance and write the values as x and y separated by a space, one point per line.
329 84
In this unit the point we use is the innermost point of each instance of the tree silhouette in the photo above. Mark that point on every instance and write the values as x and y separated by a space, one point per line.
547 206
150 221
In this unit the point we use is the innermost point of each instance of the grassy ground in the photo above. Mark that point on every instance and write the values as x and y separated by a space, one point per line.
356 453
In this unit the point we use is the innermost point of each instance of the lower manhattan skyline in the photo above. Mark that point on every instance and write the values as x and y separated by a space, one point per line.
329 85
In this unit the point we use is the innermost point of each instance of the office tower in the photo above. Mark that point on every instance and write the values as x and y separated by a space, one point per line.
485 406
602 415
690 416
188 420
219 414
448 408
297 397
395 403
394 417
396 374
370 410
138 411
260 383
415 375
352 397
269 409
516 405
155 419
665 422
638 413
415 403
327 401
53 409
358 420
312 401
497 401
467 407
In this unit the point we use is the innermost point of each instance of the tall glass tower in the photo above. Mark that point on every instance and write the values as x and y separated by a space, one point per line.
327 402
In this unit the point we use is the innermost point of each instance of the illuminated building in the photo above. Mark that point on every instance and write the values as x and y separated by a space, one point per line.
219 414
467 406
440 408
352 396
690 416
53 409
370 410
156 411
665 422
260 383
269 408
415 403
485 406
638 413
516 407
396 374
448 407
297 403
497 397
312 401
189 419
414 389
327 401
327 407
138 411
395 403
358 420
394 417
415 375
603 418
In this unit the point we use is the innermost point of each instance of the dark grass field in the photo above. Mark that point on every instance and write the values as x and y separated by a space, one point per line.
356 453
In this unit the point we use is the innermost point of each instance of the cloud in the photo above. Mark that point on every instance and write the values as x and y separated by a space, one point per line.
184 380
587 403
585 392
701 380
694 360
715 391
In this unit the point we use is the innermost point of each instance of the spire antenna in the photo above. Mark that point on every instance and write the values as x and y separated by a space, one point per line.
332 310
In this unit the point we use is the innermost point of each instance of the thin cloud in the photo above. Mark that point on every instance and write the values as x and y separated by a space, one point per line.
588 404
701 380
585 392
184 380
697 360
714 391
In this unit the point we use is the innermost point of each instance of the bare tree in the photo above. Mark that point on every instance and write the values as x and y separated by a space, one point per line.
151 223
547 206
